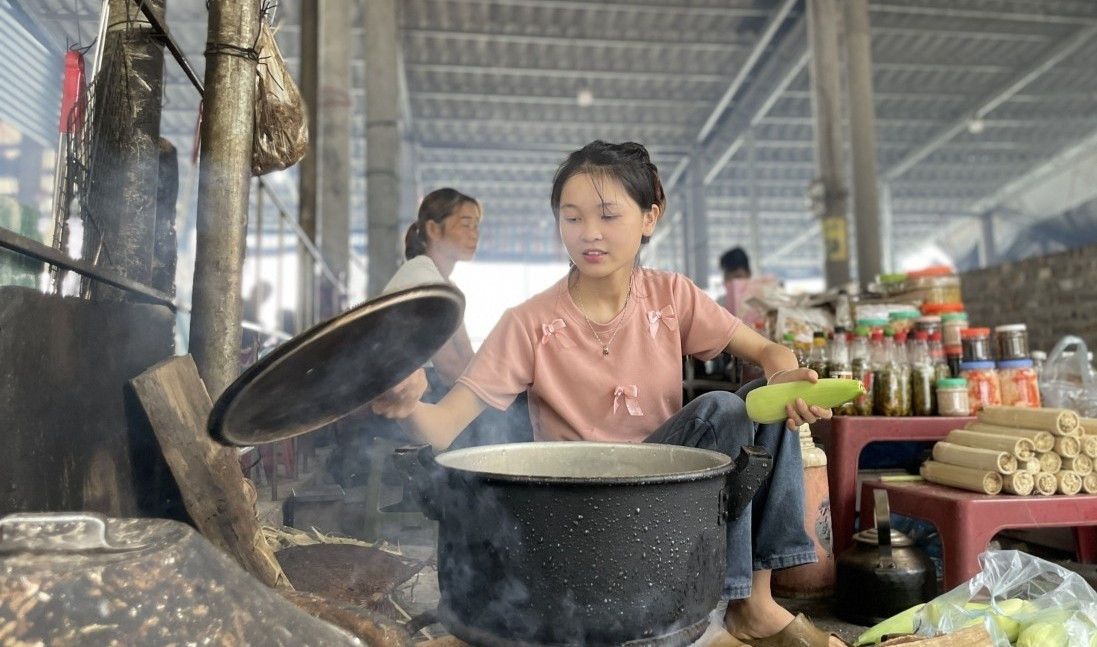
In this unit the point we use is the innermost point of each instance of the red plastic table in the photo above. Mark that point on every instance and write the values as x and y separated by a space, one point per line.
843 438
967 521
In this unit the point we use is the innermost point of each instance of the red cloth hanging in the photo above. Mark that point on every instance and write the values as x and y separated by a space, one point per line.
74 96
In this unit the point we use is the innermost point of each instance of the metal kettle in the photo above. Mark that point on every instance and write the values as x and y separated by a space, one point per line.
883 573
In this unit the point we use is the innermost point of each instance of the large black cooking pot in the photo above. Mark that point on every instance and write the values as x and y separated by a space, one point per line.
577 543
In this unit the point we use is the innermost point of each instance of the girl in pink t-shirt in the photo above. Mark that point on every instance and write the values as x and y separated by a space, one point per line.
600 355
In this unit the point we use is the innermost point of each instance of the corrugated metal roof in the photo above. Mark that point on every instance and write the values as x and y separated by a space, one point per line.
973 97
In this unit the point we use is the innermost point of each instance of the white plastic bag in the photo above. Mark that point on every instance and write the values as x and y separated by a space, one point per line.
1015 592
1066 381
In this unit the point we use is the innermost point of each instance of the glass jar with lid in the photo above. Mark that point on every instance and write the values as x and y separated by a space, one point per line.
934 285
976 344
1012 341
952 323
1019 384
983 386
952 397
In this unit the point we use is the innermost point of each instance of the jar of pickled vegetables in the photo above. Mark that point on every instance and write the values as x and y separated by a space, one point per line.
983 386
1019 385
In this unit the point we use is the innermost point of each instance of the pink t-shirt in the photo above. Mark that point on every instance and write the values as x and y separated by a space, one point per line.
576 393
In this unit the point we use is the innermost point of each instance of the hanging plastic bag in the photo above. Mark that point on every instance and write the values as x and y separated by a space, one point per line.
281 136
1066 381
1021 599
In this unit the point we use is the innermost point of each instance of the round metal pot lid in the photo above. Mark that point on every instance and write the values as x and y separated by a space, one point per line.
337 366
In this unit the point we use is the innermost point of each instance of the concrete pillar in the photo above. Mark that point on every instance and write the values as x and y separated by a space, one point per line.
334 144
988 249
224 185
310 165
127 99
696 222
829 190
862 114
382 143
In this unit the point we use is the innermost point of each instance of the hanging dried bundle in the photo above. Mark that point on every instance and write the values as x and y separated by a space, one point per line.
281 136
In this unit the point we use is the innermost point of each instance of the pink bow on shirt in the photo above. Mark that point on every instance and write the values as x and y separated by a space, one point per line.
553 329
632 403
666 315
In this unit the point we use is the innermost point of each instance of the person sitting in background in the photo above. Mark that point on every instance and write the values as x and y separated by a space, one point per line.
735 263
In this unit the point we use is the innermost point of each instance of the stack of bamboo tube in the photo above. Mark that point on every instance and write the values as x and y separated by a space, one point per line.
1018 450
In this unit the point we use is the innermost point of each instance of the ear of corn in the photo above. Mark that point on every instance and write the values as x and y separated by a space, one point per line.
766 404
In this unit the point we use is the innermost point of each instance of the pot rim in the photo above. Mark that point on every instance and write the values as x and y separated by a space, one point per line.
719 464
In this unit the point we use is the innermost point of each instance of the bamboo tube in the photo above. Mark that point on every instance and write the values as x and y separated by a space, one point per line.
1088 425
1057 421
1031 465
1089 483
1069 482
1018 483
1089 445
1022 448
1081 464
1067 446
1050 462
965 478
1046 484
976 457
1044 441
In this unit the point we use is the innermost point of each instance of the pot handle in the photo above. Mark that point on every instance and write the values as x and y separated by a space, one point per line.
752 467
417 464
883 527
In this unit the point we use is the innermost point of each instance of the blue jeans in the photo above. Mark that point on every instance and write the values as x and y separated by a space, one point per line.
770 533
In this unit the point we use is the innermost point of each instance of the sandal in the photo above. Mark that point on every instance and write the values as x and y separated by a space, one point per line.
798 633
727 640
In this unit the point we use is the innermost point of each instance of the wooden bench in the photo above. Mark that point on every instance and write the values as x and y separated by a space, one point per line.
967 521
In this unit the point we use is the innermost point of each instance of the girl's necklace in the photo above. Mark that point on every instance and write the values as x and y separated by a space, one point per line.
583 310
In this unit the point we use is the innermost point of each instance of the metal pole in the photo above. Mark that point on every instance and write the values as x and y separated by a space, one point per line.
334 128
862 114
755 216
382 142
309 166
697 222
828 191
223 190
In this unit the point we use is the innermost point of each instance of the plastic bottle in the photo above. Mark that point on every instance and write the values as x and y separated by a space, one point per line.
861 364
840 366
938 357
817 356
923 378
843 313
890 389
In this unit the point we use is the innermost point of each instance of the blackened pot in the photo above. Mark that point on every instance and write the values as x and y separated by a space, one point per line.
576 543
